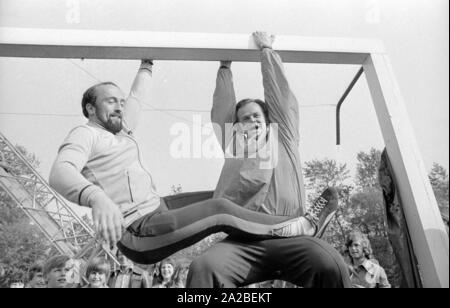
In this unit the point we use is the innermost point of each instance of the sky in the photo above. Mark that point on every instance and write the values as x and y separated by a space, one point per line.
40 98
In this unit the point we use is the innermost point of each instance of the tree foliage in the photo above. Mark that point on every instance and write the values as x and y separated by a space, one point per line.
439 181
320 174
21 242
367 169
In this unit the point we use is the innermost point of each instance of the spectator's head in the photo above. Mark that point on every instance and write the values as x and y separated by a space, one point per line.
97 272
125 263
55 271
358 246
166 270
103 103
17 281
36 276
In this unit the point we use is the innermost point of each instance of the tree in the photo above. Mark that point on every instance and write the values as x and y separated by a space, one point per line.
439 181
367 168
366 210
21 242
320 174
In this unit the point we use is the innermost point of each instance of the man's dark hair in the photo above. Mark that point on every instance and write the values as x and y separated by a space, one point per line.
247 101
90 95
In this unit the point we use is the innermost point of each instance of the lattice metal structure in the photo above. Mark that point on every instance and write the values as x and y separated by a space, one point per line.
62 226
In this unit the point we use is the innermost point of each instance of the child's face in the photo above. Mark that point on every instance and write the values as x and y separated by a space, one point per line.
38 281
57 278
167 270
97 279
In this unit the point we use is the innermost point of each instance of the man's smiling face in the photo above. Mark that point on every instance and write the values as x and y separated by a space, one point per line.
109 108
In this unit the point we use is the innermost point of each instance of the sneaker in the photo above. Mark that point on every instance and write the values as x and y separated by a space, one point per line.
292 227
323 210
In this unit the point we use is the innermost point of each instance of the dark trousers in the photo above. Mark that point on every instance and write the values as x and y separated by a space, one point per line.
305 261
164 232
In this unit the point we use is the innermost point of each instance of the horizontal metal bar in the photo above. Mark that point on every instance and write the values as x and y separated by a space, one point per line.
92 44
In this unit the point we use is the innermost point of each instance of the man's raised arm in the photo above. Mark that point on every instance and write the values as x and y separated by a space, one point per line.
139 93
282 104
224 102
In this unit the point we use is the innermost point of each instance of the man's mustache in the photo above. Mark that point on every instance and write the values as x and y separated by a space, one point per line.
116 114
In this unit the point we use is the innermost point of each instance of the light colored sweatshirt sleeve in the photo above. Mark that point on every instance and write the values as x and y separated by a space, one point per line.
281 102
223 109
139 93
65 175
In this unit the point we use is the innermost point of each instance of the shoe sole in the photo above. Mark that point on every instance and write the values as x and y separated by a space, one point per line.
321 231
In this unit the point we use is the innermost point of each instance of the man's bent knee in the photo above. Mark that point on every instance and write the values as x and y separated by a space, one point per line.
331 269
206 272
200 272
202 264
327 266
